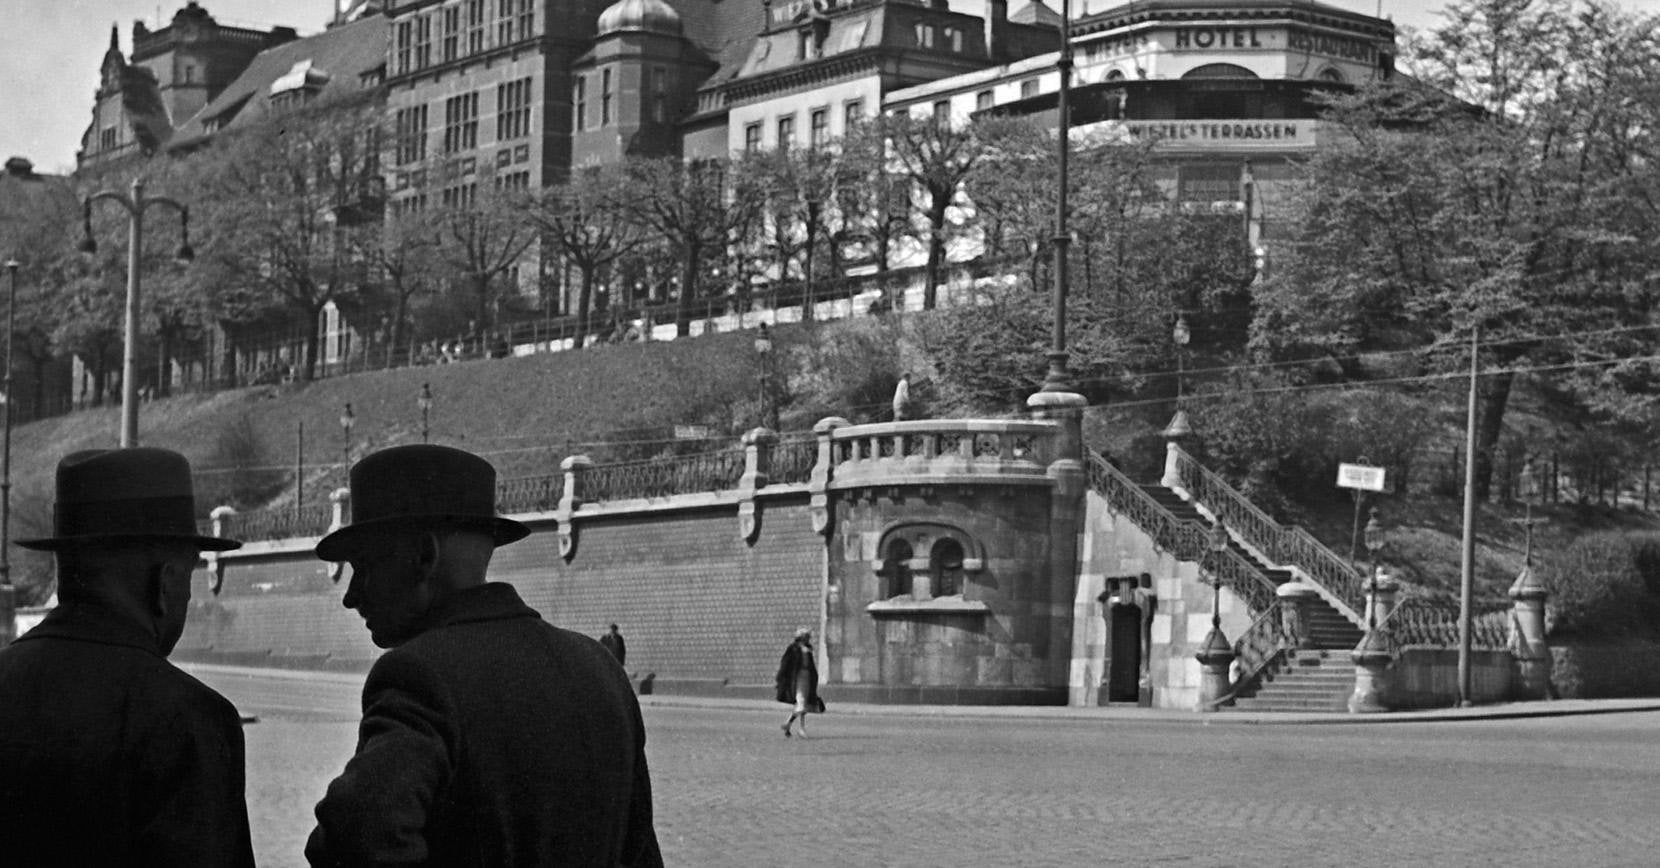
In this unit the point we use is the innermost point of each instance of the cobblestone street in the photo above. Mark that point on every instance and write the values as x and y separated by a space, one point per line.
923 790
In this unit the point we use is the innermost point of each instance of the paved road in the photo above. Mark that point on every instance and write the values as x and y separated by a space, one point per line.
952 790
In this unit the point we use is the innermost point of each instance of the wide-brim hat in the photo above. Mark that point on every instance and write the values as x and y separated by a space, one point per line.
115 496
420 486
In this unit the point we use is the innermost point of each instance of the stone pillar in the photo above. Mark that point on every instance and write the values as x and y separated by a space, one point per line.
1066 514
1215 659
818 483
341 501
1527 636
216 567
1294 600
570 497
1379 607
1371 658
758 446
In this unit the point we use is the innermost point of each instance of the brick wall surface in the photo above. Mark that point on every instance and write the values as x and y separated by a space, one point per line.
693 599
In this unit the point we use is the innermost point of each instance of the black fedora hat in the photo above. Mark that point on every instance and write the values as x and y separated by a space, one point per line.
420 486
110 496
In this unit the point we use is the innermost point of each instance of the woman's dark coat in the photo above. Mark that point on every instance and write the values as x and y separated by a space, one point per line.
787 669
493 738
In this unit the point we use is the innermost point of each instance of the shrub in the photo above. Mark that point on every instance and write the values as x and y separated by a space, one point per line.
1605 585
240 473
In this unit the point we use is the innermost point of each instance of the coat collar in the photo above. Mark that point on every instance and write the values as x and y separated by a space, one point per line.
491 601
89 622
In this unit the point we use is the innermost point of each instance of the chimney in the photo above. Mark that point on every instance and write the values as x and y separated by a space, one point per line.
997 23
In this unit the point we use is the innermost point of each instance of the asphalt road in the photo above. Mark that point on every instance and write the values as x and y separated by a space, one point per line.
908 789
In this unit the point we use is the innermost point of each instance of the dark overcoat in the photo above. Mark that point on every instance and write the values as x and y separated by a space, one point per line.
110 755
494 739
793 661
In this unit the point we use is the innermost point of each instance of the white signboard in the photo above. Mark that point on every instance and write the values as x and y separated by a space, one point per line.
1360 476
691 432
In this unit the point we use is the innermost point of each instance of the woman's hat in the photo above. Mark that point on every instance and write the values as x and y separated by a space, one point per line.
420 486
121 496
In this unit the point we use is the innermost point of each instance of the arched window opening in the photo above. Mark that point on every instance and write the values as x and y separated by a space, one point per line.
1219 70
1330 74
945 563
896 570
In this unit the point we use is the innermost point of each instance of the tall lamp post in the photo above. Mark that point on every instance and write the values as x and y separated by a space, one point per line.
1466 584
1374 550
763 349
1055 379
425 403
7 593
348 421
1180 335
135 204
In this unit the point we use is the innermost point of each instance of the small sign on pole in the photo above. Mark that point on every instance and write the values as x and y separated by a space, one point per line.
1360 476
691 432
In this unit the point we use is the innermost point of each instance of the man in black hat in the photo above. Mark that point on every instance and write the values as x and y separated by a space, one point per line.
110 755
489 736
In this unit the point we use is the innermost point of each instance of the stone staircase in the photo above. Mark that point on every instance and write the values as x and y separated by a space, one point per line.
1319 677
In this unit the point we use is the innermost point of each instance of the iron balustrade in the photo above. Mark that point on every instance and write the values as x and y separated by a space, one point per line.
793 457
529 493
661 477
1421 622
1280 544
275 523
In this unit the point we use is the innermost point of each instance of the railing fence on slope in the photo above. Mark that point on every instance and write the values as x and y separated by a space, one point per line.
662 477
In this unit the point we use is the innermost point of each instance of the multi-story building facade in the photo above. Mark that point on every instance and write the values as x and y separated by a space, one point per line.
173 73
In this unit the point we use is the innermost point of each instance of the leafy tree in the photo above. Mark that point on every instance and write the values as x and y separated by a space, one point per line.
1507 189
586 222
482 233
872 204
404 252
288 204
936 157
798 189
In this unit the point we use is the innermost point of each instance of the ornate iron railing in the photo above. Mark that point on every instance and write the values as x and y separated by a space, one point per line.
1282 545
1187 539
662 477
263 525
793 457
1430 623
529 493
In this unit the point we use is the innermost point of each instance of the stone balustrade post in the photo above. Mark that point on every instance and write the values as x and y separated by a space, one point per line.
1381 604
818 483
217 519
1371 658
340 500
759 444
1216 658
1527 636
570 498
1295 598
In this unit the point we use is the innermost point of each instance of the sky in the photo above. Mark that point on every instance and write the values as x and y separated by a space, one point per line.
50 51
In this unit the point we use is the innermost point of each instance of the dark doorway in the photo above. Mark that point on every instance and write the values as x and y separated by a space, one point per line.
1124 676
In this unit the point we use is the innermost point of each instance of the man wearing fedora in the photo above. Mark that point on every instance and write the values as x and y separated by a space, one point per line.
489 736
110 755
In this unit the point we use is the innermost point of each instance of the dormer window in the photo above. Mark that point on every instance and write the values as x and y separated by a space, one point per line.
924 35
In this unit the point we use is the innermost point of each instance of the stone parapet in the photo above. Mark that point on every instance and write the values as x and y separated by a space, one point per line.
942 451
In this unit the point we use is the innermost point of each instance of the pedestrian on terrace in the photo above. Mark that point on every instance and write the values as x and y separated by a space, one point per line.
489 737
613 642
110 755
797 681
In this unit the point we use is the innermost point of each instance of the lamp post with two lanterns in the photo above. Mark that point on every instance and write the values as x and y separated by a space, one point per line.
135 203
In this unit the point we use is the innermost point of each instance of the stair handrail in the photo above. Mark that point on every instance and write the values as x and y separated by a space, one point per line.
1259 647
1187 539
1285 546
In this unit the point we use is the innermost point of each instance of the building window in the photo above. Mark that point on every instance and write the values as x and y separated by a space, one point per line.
818 127
513 181
982 100
461 123
580 101
106 139
786 132
504 22
924 35
460 196
660 95
853 111
605 97
513 109
527 18
475 26
190 74
411 127
752 138
334 334
1028 88
896 570
1208 182
945 564
423 42
452 33
942 111
954 39
402 43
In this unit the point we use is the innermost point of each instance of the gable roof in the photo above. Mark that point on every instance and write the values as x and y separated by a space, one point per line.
341 60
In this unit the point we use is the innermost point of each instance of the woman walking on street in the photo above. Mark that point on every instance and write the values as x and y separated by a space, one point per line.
798 680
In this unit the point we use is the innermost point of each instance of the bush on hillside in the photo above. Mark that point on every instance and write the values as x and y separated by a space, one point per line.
240 471
849 369
1605 585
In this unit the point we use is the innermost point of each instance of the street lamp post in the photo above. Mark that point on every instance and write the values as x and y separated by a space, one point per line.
763 349
7 599
425 403
1179 335
135 204
1466 584
1374 548
1055 379
348 421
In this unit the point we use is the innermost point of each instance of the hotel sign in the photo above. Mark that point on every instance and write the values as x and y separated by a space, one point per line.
1225 38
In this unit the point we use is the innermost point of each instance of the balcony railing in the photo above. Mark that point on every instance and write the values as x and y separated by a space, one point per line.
661 477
